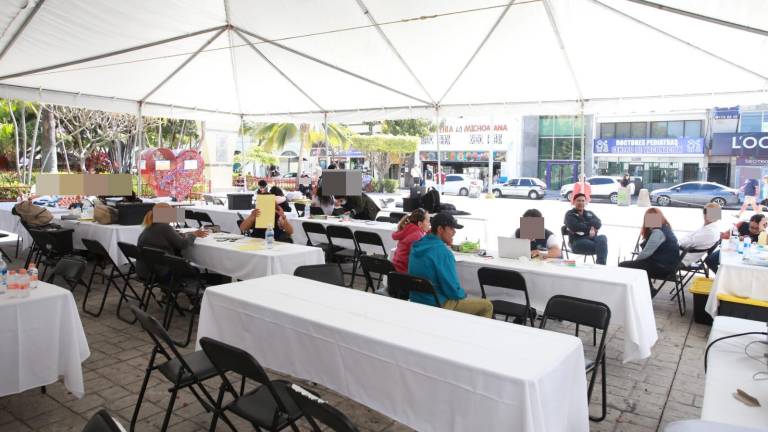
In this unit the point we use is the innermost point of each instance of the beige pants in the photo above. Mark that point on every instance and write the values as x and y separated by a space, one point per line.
472 306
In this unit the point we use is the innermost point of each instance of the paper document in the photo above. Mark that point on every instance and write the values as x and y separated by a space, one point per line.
266 206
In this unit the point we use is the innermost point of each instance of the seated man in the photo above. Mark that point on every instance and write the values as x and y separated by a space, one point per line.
704 237
282 228
431 258
549 244
360 206
582 228
262 189
757 224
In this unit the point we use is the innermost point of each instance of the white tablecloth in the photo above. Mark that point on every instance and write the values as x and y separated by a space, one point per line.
729 369
107 235
736 278
247 258
624 290
221 216
428 368
383 229
41 338
12 223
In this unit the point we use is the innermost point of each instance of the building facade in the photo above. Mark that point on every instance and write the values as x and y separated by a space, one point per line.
662 149
739 148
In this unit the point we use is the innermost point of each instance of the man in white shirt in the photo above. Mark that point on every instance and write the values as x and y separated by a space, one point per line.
705 236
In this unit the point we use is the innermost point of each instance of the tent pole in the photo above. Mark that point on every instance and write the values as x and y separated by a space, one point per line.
701 17
325 132
437 141
21 28
140 142
583 136
242 155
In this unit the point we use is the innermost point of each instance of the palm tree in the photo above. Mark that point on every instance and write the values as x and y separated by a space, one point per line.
274 136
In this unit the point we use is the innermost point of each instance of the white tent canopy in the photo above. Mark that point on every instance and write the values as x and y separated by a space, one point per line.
353 60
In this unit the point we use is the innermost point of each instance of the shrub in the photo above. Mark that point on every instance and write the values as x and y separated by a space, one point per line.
390 185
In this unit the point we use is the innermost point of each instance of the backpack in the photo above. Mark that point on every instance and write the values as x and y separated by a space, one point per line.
32 215
105 215
431 201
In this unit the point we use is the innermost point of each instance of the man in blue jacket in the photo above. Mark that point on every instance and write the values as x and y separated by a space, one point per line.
431 258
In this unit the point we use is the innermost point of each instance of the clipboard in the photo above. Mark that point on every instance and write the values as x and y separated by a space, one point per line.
266 205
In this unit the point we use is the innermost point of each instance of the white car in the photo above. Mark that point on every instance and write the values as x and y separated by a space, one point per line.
530 187
601 187
461 184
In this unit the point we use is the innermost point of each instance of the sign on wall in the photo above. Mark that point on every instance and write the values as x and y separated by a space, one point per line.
740 144
649 146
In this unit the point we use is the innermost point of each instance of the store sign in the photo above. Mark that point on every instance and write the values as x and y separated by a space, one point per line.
727 113
740 144
649 146
462 156
743 161
470 135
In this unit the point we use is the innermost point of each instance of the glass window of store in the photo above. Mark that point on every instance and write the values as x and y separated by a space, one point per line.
560 141
756 121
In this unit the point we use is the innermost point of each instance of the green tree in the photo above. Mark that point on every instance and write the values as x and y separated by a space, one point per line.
258 155
274 136
381 150
410 127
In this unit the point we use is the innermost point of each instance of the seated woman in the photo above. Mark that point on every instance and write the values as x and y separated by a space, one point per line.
160 235
283 229
411 229
325 202
659 247
547 247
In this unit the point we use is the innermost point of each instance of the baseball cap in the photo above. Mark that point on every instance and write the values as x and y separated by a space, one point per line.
445 219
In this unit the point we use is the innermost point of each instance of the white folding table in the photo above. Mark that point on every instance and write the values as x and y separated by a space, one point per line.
729 368
428 368
107 235
737 278
248 258
624 290
41 339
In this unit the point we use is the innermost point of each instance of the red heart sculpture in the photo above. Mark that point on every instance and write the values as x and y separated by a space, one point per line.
183 169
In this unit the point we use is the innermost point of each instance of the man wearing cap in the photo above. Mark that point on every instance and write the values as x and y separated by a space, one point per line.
431 258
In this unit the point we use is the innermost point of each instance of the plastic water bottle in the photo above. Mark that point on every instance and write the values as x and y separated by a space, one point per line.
13 285
747 246
23 281
269 237
3 276
33 276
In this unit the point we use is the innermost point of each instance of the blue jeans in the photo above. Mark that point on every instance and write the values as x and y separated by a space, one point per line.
589 246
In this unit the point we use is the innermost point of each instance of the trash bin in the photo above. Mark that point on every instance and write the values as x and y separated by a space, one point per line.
700 288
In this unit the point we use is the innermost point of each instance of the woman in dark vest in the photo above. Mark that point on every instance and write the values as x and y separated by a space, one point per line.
659 252
547 247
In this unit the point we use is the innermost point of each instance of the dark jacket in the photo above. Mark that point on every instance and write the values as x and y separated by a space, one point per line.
361 207
667 253
161 236
579 224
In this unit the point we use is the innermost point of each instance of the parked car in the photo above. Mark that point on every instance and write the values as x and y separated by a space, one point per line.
460 184
602 187
696 193
290 175
530 187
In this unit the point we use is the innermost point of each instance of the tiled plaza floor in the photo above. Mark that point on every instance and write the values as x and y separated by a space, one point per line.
642 396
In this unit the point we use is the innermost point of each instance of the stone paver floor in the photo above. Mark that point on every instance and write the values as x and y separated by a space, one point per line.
642 396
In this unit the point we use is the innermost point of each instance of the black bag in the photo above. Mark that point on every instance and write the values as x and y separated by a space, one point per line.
431 201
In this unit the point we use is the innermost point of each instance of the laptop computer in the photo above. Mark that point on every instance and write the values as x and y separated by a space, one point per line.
514 247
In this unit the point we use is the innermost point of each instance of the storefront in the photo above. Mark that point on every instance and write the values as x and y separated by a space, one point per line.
469 146
748 153
663 150
660 162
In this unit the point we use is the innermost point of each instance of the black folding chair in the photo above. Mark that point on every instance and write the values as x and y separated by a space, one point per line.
375 265
341 254
327 273
183 371
51 245
565 247
401 285
269 406
300 209
592 314
203 219
185 279
189 215
319 230
386 219
699 266
676 276
71 269
97 250
132 253
395 217
509 279
317 410
102 421
370 239
151 259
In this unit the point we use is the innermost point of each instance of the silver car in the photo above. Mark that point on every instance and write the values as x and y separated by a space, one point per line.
696 193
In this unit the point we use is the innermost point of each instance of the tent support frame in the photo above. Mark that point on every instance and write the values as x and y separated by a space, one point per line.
278 70
110 54
477 51
332 66
232 59
184 64
21 28
701 17
561 44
